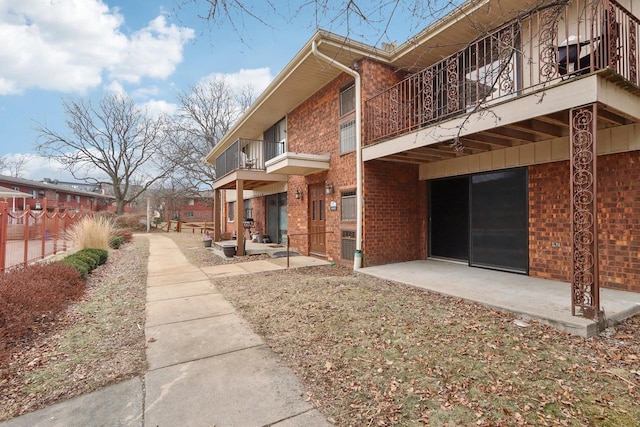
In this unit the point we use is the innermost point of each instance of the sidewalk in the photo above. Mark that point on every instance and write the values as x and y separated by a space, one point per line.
206 367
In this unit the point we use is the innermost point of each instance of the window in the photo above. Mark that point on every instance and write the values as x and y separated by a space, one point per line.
347 99
16 188
348 136
347 244
231 211
247 209
68 197
78 199
275 139
348 208
189 214
191 202
34 194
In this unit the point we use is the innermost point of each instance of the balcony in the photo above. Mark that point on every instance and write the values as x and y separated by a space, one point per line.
540 50
245 159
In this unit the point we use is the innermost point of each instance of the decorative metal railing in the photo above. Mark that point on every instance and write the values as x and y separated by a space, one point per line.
532 52
248 154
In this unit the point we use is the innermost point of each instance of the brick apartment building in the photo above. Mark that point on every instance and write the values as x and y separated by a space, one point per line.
75 197
511 144
192 207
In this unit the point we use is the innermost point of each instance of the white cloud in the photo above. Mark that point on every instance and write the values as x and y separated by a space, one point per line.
153 51
155 107
38 168
145 92
115 87
258 78
69 45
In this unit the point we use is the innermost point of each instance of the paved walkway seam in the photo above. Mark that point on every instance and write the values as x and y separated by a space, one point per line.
213 316
291 417
190 295
224 353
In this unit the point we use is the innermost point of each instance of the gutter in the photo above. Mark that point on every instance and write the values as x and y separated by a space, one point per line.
357 259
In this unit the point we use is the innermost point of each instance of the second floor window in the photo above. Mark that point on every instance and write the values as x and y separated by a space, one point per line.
348 136
347 99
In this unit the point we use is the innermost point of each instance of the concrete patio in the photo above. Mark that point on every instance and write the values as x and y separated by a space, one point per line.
530 298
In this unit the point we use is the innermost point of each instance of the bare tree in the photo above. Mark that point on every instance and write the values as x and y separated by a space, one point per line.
16 165
356 17
114 141
207 111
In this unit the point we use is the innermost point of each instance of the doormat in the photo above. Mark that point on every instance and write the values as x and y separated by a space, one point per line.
283 254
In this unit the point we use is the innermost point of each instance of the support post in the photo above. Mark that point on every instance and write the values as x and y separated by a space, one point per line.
240 232
217 215
585 280
4 220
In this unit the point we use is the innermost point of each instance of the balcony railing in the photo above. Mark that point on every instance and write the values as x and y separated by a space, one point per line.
532 52
247 154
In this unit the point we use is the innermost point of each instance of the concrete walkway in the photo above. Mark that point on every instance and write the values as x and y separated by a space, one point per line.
206 367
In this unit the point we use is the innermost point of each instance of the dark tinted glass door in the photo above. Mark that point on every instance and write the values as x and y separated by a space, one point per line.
499 220
449 213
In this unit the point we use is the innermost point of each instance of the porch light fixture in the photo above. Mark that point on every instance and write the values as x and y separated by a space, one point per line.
328 188
298 194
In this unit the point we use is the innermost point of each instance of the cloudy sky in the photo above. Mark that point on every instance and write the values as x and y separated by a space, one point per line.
52 50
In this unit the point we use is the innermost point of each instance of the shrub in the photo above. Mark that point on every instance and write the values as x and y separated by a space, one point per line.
115 242
94 256
91 232
101 253
125 233
137 222
34 294
80 265
91 262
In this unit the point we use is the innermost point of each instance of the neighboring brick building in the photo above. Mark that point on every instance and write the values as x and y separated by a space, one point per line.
63 196
496 144
193 207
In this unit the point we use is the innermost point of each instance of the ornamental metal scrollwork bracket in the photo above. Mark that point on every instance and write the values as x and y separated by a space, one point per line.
585 295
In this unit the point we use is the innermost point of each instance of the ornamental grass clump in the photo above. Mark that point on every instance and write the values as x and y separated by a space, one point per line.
91 232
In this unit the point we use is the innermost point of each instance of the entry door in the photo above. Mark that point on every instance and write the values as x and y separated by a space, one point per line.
449 218
277 216
317 245
482 219
499 232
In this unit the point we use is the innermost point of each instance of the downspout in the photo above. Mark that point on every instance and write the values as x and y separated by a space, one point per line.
357 259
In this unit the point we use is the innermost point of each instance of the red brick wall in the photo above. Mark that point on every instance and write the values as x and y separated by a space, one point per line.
259 213
313 127
395 212
549 221
618 220
376 77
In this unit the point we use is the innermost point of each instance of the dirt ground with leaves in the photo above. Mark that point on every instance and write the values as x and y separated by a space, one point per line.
96 342
375 353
